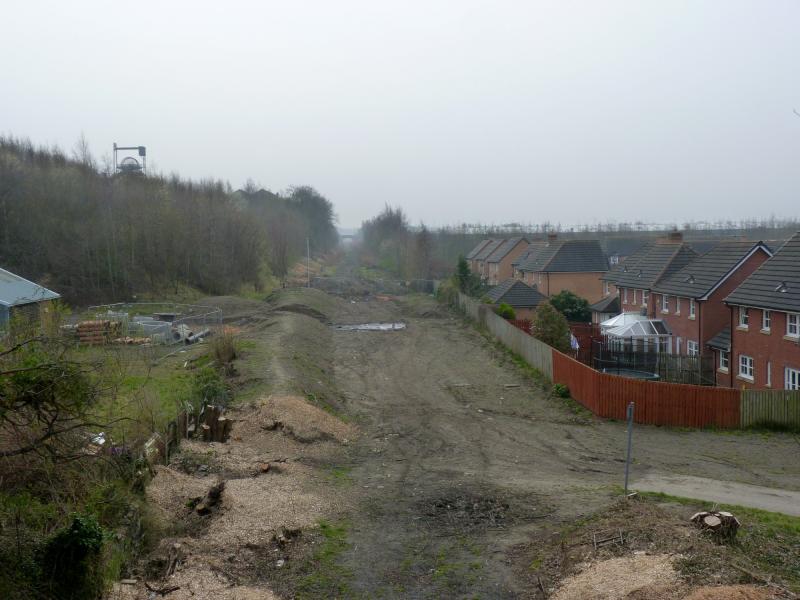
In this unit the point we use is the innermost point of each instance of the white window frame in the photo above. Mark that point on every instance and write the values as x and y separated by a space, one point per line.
677 305
747 367
766 320
645 297
692 308
664 303
724 360
744 317
634 296
624 295
606 288
678 342
692 348
793 324
769 374
791 379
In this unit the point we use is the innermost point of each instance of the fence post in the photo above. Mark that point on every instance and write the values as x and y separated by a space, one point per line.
630 435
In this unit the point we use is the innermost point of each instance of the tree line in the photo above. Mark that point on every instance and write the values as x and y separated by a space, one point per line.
94 236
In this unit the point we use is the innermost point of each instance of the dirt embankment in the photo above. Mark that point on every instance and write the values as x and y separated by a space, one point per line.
253 540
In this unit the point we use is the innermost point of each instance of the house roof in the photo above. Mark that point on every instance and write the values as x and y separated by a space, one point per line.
516 293
533 247
721 341
705 273
474 252
567 256
775 285
504 248
623 246
487 250
16 290
653 263
609 304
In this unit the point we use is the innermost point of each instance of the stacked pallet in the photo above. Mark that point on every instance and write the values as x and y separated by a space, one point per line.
95 333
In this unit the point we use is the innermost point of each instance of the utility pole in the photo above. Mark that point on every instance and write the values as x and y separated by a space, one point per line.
630 434
308 263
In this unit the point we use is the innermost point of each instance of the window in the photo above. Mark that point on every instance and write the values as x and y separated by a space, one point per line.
664 303
678 346
746 366
792 379
634 296
766 320
691 348
625 296
691 308
769 374
677 305
606 290
744 316
645 296
793 325
724 358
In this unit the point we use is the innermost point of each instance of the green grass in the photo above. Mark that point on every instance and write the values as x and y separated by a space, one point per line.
326 577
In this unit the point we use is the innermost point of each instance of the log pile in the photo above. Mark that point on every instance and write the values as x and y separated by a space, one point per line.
723 525
132 341
95 333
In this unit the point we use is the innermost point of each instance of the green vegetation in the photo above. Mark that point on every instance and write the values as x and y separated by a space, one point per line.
327 578
505 311
560 390
94 236
551 327
574 308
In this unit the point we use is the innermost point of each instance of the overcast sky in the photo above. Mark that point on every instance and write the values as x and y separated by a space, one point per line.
457 111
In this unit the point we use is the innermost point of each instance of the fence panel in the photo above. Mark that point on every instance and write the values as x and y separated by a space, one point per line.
581 380
535 352
770 407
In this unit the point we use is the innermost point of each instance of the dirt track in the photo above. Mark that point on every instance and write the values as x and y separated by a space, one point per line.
462 457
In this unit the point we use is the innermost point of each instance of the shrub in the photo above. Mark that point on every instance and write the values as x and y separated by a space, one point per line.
505 311
572 306
560 390
208 387
223 348
551 327
69 559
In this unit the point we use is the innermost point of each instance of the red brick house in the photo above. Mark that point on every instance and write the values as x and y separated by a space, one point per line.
500 263
646 268
470 257
764 346
691 301
574 265
479 260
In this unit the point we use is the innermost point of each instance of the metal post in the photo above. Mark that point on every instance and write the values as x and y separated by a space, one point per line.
630 435
308 263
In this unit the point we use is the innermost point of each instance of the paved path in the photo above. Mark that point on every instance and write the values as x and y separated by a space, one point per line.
724 492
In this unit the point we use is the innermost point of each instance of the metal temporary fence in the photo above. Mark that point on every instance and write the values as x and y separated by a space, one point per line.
159 327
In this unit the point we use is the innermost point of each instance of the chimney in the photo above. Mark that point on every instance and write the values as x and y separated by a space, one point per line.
675 236
552 237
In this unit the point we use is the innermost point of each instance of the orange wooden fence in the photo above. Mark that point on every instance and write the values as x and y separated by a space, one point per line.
655 403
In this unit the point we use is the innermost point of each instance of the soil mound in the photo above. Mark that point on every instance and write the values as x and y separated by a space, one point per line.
302 421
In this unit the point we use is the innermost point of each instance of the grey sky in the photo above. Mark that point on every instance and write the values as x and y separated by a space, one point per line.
457 111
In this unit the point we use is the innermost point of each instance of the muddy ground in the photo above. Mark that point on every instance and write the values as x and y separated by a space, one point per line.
418 463
464 459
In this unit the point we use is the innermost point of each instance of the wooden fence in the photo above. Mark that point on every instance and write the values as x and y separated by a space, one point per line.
536 353
656 403
770 407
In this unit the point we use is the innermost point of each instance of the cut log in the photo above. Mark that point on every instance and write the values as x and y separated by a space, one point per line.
712 522
205 433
